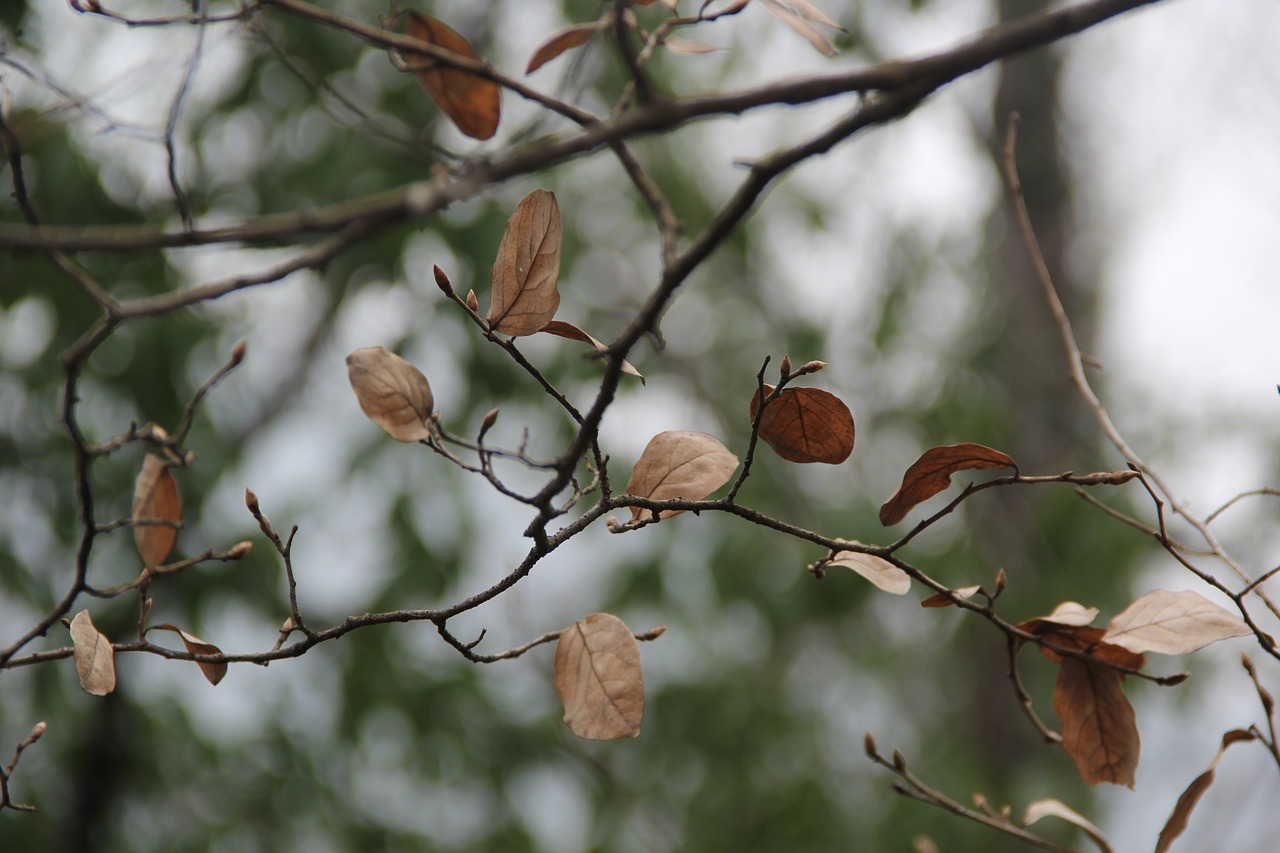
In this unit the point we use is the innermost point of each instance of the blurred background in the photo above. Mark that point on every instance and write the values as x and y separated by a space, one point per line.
1148 154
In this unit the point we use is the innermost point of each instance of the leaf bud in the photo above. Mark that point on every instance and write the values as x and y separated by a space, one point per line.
37 731
237 353
240 549
251 501
899 763
472 302
442 281
869 744
1001 580
812 366
785 368
490 418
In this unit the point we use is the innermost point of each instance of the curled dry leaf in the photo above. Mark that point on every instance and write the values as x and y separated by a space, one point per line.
883 574
964 593
565 40
797 14
598 678
94 657
1056 808
473 103
212 671
932 472
675 44
1173 623
157 512
680 464
561 329
524 296
392 393
1068 614
806 425
1099 730
1177 822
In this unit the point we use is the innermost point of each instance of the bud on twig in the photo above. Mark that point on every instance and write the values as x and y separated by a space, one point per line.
869 744
237 353
785 368
442 281
812 367
240 549
472 302
251 501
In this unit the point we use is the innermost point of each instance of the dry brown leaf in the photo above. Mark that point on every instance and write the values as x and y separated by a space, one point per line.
939 600
471 102
564 40
932 472
524 298
561 329
680 464
1085 638
1177 822
212 671
598 678
1056 808
675 44
392 393
883 574
1173 623
94 657
157 512
806 425
1068 614
1099 730
797 14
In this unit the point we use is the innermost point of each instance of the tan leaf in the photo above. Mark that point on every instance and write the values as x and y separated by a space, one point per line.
473 103
806 425
1056 808
797 14
1173 623
392 393
524 296
680 464
1068 614
1177 822
157 512
932 472
212 671
1099 730
598 678
94 657
675 44
561 329
883 574
939 600
562 41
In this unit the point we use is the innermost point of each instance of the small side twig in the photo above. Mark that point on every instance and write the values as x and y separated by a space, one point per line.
6 802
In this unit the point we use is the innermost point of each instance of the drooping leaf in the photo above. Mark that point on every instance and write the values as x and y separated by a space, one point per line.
213 672
473 103
1173 623
1177 822
964 593
157 512
1056 808
95 658
675 44
806 425
797 14
883 574
561 329
598 678
1099 730
680 464
524 296
564 40
392 393
932 472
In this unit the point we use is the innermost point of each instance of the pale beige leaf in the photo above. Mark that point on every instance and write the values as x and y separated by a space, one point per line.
94 657
213 672
1173 623
523 298
157 512
883 574
473 103
562 41
561 329
1056 808
1070 613
392 393
1099 730
675 44
680 464
964 593
598 678
795 18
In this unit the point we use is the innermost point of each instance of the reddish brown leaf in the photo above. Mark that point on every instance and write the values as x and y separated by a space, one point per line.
523 296
940 600
598 678
1177 822
157 512
689 465
562 41
932 472
806 425
473 103
392 393
561 329
1099 730
1087 639
212 671
95 658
